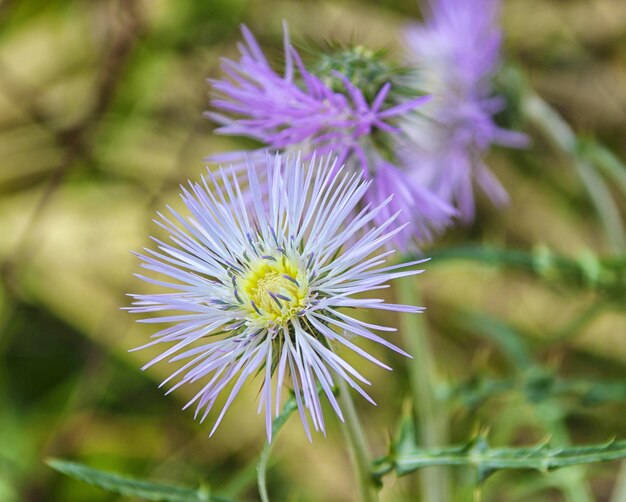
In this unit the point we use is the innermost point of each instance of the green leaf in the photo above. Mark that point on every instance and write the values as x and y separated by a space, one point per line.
486 460
133 487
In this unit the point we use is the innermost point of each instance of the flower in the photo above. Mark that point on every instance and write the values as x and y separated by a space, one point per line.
262 290
326 111
456 54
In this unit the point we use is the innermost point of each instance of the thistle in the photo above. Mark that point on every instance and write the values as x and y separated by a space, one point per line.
456 54
349 103
259 283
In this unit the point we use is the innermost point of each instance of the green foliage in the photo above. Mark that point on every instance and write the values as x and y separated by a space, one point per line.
588 272
545 119
605 160
537 386
132 487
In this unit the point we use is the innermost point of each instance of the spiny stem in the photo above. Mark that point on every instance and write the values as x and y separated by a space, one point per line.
359 451
486 460
433 423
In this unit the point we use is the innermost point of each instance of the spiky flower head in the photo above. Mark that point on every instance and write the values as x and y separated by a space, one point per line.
260 286
349 103
456 54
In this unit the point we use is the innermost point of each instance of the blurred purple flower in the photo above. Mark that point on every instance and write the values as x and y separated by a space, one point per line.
456 53
260 286
301 111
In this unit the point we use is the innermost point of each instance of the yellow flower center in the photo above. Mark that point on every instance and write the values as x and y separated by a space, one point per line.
273 290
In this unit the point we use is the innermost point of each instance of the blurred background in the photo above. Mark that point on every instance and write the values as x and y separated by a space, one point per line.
101 107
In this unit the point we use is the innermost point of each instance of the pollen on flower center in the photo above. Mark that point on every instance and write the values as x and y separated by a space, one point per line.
273 290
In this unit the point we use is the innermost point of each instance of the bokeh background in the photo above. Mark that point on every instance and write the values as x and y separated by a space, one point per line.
101 107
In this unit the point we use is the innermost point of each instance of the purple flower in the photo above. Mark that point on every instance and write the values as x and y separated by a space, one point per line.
302 111
456 53
258 287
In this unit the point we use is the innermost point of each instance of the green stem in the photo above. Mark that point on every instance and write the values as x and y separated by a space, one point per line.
560 134
261 471
289 407
606 160
359 452
431 414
